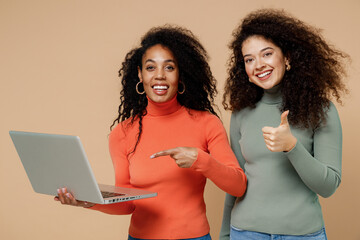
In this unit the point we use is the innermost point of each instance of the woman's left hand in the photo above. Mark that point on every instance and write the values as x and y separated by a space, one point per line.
184 156
279 139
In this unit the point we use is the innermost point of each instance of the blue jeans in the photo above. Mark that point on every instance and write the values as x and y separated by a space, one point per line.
206 237
238 234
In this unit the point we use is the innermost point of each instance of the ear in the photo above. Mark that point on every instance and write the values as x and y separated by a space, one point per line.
287 60
139 74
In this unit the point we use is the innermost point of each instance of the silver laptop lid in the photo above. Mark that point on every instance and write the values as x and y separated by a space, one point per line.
53 161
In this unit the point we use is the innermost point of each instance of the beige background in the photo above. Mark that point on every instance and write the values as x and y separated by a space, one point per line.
58 74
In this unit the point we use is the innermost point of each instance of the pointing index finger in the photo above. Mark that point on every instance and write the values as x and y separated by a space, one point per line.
163 153
159 154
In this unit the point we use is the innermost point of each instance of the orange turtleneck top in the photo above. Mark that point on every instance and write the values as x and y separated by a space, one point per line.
179 211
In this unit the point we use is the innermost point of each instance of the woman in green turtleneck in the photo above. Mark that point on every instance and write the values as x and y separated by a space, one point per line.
285 131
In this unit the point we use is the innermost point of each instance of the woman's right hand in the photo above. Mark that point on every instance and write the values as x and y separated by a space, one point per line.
68 199
280 139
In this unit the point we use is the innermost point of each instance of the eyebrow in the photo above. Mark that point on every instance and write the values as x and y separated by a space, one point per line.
166 61
262 50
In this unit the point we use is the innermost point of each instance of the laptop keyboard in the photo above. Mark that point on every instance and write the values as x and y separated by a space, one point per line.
110 194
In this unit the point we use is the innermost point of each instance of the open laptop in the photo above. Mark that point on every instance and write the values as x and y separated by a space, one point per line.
54 161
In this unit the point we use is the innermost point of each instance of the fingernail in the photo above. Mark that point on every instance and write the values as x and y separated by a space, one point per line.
58 190
68 195
152 156
63 190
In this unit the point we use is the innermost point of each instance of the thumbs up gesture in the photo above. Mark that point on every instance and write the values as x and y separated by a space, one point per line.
279 139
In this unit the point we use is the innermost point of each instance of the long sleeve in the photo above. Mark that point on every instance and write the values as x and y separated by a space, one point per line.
322 171
235 136
219 164
117 148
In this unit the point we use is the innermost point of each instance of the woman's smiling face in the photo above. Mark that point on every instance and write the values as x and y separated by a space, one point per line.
159 73
265 63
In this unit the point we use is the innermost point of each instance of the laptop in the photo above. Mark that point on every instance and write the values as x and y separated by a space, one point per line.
54 161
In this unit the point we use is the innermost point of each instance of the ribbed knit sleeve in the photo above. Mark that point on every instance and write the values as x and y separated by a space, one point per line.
229 199
321 172
220 164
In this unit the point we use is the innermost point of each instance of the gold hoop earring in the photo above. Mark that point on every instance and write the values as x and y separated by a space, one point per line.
137 90
183 88
288 67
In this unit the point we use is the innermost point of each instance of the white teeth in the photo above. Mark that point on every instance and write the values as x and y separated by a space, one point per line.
264 74
160 87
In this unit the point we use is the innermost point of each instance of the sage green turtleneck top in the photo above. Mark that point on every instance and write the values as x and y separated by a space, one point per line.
283 187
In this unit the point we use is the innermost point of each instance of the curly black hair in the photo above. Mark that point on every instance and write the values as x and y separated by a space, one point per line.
316 74
194 72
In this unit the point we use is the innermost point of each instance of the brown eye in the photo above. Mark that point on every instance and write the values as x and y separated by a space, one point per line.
268 54
149 68
169 68
248 60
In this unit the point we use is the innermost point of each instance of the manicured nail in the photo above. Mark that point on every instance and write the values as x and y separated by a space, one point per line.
68 195
152 156
58 190
63 190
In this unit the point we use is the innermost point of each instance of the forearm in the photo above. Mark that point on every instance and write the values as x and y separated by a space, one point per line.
122 208
320 177
321 171
229 177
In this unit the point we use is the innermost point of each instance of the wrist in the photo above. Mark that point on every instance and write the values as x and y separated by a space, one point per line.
292 144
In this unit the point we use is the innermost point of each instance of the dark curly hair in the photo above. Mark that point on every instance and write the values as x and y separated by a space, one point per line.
194 72
317 68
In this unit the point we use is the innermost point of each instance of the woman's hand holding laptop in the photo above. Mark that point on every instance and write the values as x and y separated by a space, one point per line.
67 198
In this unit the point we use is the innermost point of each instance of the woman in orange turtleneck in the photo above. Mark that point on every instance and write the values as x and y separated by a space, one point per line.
168 139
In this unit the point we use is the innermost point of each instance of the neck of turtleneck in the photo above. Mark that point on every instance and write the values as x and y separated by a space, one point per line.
164 108
273 95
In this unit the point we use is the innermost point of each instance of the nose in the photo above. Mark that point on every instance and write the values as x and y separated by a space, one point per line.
260 64
160 74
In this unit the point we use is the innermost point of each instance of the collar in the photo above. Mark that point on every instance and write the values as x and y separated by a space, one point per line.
273 95
161 109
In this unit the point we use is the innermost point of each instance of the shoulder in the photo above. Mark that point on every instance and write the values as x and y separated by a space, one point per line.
332 107
124 128
207 122
237 116
332 122
204 117
332 113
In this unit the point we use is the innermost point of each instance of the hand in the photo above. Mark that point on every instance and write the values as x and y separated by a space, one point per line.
184 156
68 199
279 139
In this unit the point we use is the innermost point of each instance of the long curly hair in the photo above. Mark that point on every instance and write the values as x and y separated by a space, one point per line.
316 73
194 72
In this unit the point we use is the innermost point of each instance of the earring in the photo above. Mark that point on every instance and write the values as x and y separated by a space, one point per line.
137 90
288 67
183 88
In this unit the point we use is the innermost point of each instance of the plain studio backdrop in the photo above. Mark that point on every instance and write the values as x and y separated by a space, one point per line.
58 74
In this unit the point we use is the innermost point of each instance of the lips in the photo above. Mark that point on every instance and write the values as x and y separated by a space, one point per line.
160 89
264 75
